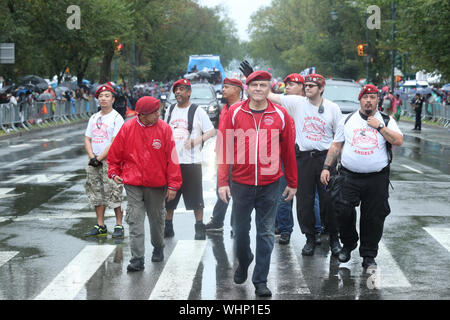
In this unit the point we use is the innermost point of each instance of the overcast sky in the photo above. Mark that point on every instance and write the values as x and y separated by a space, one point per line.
238 10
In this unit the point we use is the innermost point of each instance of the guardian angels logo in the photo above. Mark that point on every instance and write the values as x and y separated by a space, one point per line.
365 141
314 128
156 144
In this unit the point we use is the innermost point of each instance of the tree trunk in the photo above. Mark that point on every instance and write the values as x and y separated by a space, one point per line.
105 69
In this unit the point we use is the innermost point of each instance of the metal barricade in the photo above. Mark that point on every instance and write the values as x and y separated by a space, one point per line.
26 115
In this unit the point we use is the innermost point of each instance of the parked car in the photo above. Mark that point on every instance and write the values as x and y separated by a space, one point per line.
204 95
344 93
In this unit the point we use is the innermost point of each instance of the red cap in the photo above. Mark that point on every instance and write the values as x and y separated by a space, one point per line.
147 105
316 78
294 77
368 88
181 82
102 88
234 82
258 75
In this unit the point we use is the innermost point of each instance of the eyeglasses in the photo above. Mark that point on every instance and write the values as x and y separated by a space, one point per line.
99 122
311 85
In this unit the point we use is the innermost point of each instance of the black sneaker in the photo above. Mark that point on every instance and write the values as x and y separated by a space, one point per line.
335 245
97 231
261 290
318 238
200 231
369 262
213 226
119 232
168 229
284 238
241 273
308 249
136 265
158 254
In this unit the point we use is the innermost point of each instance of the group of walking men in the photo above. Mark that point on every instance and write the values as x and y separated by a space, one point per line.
270 148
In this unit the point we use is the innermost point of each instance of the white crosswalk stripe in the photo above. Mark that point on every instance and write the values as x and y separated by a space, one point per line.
286 273
175 283
72 279
5 256
442 235
388 274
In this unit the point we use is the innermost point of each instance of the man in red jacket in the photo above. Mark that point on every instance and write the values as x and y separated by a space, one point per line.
232 93
256 135
143 158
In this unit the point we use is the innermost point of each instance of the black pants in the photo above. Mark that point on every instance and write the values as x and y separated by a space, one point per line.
309 167
371 191
418 124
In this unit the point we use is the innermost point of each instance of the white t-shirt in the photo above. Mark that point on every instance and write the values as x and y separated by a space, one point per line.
102 129
364 147
179 125
314 130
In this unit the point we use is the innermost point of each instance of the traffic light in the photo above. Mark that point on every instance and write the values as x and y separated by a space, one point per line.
117 46
398 78
360 50
398 62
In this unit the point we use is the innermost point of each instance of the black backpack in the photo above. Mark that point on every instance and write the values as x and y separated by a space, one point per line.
191 114
386 119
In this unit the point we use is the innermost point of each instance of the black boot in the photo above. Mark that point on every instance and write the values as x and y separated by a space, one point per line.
168 229
308 249
335 245
200 233
345 254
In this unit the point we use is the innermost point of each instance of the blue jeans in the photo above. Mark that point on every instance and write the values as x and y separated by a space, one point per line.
264 200
284 218
318 224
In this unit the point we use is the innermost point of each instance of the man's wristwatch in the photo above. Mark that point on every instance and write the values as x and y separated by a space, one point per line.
326 167
381 126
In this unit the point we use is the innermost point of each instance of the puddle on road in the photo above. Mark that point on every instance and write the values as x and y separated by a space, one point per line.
32 196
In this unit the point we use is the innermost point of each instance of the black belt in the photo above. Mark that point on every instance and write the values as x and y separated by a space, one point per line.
368 174
312 153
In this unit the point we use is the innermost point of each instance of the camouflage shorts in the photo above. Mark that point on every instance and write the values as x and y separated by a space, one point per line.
101 190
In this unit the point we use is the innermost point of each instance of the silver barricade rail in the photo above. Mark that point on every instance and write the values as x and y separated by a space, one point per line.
28 114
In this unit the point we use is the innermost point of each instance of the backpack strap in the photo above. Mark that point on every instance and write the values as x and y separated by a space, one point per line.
349 116
191 114
170 112
386 119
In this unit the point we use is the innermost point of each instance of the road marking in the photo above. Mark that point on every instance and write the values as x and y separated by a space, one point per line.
5 256
175 282
21 145
15 163
4 191
47 217
388 269
442 235
40 178
71 280
412 169
286 273
50 151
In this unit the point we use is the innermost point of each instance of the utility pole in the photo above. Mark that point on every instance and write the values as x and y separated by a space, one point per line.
368 56
394 51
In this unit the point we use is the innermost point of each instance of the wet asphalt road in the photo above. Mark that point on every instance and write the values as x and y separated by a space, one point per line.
44 212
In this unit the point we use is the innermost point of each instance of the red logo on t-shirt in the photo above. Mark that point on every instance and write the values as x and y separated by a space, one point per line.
314 128
268 120
365 141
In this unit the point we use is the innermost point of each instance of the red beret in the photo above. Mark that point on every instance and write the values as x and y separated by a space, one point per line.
147 105
181 82
316 78
234 82
258 75
102 88
368 88
295 77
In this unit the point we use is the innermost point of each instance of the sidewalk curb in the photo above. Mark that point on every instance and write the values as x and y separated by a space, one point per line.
34 130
